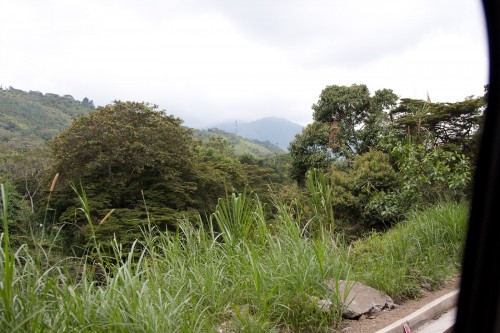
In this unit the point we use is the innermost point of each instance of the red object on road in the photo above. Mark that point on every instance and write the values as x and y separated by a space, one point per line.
407 328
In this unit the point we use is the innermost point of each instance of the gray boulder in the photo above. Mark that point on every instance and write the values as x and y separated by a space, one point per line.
359 299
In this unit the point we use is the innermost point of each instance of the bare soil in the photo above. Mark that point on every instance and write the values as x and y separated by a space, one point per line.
385 318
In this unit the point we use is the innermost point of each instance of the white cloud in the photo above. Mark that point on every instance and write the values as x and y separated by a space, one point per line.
209 61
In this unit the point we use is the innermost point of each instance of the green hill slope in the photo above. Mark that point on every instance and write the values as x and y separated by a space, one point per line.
242 146
29 119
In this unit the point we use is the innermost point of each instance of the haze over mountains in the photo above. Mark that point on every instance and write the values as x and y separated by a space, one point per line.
30 119
278 131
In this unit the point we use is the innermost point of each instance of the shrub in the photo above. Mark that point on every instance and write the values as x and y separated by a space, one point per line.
379 189
430 174
370 176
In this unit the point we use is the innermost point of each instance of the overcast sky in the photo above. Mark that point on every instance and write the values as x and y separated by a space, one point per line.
214 60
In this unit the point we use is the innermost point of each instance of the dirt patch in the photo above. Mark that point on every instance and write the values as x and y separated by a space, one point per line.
385 318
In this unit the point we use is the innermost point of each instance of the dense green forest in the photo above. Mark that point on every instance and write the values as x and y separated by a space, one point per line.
111 190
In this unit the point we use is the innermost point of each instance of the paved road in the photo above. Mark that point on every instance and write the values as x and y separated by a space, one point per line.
443 324
422 320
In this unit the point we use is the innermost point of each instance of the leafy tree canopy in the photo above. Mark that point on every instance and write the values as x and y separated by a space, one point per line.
128 147
348 120
354 115
452 126
139 161
27 172
309 149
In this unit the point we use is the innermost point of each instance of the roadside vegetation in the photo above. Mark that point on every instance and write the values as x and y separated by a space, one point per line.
125 222
259 277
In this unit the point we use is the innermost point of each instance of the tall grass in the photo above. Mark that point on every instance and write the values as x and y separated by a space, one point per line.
426 248
321 198
252 276
8 260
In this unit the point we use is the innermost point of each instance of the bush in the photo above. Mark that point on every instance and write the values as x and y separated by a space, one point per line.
379 189
370 176
431 174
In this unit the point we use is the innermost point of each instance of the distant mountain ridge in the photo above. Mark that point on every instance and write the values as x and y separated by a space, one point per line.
241 146
30 119
278 131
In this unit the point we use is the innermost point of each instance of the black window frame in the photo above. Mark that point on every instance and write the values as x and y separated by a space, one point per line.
479 299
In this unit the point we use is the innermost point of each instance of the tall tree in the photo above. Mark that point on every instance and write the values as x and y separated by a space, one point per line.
452 126
129 146
355 116
26 171
310 149
348 120
122 153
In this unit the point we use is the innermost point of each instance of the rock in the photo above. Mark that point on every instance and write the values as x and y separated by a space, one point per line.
426 286
359 299
321 304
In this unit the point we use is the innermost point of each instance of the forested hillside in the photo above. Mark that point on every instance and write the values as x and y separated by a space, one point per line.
381 156
241 146
125 201
128 152
29 119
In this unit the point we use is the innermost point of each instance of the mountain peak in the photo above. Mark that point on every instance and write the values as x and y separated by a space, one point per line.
276 130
